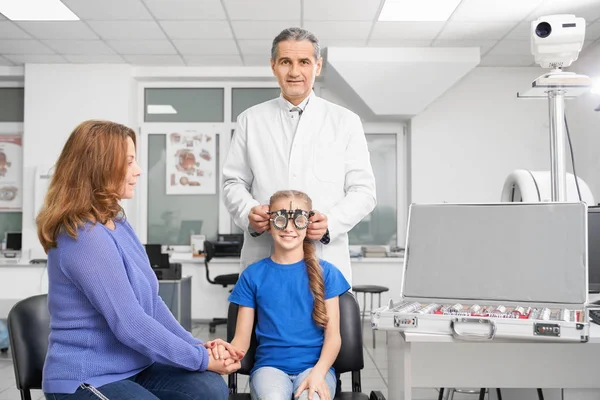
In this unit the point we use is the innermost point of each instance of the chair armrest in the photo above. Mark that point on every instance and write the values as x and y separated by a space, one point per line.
376 395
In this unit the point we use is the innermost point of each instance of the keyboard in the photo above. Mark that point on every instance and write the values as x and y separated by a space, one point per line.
595 316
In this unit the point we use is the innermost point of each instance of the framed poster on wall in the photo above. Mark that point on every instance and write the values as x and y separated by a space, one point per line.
11 172
191 162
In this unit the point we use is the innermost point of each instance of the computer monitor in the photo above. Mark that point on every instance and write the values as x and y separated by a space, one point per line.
188 228
156 257
13 241
594 249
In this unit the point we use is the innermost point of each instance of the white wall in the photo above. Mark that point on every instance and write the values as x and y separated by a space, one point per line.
466 143
57 99
584 124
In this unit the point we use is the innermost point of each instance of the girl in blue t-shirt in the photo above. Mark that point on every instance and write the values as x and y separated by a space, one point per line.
295 297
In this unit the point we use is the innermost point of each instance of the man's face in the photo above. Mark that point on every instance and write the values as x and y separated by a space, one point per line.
296 69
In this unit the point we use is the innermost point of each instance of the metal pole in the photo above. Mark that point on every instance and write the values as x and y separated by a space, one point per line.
558 172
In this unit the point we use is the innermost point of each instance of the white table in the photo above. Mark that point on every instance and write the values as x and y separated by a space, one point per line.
434 361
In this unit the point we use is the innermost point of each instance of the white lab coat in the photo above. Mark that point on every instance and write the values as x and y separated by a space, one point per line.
328 159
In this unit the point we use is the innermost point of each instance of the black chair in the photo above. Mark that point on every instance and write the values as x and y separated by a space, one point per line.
28 329
349 359
223 280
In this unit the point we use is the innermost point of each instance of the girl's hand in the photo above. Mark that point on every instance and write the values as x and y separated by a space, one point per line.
220 350
314 382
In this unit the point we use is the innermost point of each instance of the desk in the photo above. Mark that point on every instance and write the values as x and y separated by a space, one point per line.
433 361
177 295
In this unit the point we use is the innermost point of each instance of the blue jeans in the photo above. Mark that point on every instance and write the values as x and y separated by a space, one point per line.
158 381
269 383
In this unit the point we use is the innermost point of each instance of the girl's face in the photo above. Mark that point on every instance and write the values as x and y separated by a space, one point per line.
288 238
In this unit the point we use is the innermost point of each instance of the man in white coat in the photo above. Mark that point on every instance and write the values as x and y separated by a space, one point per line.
299 141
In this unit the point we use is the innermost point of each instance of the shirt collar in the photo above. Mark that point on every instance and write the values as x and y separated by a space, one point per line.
287 106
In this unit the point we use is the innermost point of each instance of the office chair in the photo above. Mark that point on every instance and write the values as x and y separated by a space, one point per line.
223 280
28 329
349 359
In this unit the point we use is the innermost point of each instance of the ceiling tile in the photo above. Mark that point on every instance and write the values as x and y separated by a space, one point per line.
197 29
9 30
261 29
153 60
81 47
130 30
506 61
24 47
35 58
150 47
339 29
494 10
588 9
512 47
521 31
484 45
186 9
256 48
208 47
213 60
406 30
475 30
257 61
95 59
5 62
398 43
58 29
342 43
109 10
340 10
266 10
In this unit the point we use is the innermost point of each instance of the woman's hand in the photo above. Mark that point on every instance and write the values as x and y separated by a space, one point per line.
223 366
220 350
314 382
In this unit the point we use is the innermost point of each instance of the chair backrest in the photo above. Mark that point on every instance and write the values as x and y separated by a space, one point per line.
350 357
248 360
28 329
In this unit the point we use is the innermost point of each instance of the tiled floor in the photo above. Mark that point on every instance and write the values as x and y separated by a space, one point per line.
374 375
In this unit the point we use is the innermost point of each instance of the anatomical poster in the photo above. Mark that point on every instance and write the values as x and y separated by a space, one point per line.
11 166
191 162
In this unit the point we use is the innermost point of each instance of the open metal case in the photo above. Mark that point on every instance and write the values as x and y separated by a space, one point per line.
508 271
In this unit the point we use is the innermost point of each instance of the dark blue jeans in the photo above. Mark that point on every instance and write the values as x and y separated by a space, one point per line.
158 381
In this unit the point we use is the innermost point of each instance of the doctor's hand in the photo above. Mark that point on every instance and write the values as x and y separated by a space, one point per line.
259 219
317 227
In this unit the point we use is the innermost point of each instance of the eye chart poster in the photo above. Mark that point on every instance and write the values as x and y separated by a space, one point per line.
191 162
11 166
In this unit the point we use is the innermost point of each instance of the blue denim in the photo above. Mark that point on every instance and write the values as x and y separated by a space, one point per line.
269 383
158 381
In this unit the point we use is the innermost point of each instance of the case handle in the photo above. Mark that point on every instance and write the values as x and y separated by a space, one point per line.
473 336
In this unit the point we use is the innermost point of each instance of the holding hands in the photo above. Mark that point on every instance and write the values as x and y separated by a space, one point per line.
224 358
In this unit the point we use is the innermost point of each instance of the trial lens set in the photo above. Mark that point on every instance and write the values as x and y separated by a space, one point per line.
497 311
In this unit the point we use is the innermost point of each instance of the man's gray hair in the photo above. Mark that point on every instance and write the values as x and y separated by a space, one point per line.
297 34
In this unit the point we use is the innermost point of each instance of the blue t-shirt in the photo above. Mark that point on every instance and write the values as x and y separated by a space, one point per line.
288 337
